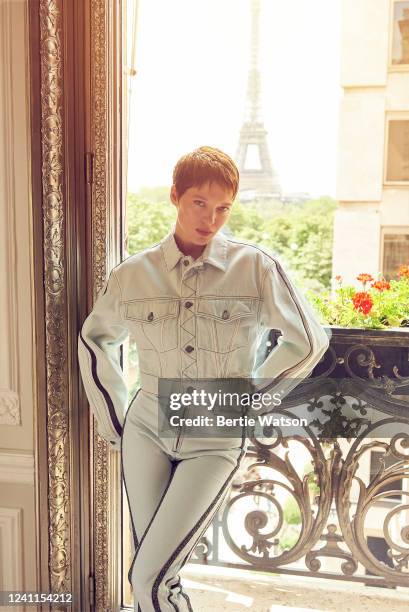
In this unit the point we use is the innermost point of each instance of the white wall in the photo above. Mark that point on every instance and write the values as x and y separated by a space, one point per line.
373 92
364 42
360 153
17 492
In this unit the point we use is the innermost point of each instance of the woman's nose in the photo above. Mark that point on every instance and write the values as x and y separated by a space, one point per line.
210 216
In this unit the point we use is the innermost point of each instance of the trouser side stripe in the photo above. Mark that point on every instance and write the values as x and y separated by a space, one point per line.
189 536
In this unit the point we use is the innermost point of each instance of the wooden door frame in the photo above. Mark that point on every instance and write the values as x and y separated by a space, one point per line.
75 113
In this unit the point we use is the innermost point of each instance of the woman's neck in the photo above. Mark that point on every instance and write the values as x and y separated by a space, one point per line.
195 250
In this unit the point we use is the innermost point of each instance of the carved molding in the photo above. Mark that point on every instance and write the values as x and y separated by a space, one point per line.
9 362
100 232
16 467
11 551
9 408
52 142
99 122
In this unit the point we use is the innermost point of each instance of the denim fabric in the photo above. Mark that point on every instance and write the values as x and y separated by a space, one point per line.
193 319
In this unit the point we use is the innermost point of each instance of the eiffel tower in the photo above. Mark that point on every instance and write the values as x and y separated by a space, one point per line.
257 175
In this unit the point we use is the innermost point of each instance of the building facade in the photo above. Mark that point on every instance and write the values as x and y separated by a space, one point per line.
371 226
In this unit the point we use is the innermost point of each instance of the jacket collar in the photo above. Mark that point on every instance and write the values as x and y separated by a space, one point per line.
215 252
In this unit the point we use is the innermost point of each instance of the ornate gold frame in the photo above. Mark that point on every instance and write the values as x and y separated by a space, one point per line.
106 250
76 83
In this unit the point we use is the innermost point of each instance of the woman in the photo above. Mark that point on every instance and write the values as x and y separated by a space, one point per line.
196 304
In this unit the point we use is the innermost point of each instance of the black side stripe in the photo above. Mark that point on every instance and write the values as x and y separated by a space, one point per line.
204 529
162 573
181 592
150 522
281 272
114 419
184 595
307 330
303 318
189 603
135 537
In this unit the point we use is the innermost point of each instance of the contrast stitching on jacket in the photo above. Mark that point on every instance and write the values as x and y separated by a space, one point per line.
174 555
111 408
217 351
215 296
134 255
134 397
120 291
262 289
106 286
148 340
238 348
306 328
231 347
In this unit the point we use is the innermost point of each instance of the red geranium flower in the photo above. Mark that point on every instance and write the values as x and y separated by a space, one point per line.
403 271
381 285
362 301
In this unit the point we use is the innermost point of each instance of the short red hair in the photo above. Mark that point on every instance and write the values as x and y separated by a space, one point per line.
203 165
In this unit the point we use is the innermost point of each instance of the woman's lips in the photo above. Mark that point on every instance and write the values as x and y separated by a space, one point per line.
203 232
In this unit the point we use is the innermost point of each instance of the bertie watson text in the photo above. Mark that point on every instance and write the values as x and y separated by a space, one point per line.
208 401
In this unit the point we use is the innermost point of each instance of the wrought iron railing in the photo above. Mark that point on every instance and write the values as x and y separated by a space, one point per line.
346 515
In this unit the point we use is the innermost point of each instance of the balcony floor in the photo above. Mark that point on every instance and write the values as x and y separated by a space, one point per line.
214 588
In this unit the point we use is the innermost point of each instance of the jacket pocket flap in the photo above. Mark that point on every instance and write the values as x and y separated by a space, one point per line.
151 311
224 309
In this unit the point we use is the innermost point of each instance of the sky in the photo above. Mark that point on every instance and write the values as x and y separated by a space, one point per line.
192 61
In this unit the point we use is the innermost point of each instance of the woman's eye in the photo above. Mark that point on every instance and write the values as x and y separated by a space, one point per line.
198 202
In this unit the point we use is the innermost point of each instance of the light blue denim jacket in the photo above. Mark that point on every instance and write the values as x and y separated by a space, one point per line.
191 319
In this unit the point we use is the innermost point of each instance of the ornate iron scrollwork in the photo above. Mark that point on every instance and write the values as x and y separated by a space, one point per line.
356 412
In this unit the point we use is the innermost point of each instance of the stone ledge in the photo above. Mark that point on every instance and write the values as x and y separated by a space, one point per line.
231 590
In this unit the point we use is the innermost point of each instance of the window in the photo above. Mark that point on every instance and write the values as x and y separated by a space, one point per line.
400 34
395 252
397 165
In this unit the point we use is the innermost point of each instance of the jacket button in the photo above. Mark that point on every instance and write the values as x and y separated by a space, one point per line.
189 348
186 262
150 316
188 304
190 389
225 314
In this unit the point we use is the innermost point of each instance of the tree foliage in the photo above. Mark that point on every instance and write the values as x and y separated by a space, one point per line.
301 234
148 221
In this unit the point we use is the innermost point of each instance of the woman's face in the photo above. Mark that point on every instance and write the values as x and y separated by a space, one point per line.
202 211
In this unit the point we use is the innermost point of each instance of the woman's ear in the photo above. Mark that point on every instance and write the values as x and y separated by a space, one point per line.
174 195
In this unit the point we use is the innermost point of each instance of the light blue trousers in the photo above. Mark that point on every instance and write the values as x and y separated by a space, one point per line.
173 497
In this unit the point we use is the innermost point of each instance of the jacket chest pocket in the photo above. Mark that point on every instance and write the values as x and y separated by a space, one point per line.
154 323
224 324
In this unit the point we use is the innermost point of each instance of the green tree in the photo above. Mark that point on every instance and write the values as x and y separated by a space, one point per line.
148 222
300 233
